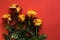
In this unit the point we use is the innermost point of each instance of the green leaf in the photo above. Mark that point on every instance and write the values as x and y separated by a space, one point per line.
7 37
14 35
7 27
43 36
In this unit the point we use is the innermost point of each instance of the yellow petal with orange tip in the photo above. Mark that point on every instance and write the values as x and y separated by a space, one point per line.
21 17
37 22
6 16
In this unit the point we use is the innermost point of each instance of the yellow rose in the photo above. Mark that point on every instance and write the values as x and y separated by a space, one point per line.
37 22
16 6
6 16
13 6
21 17
31 13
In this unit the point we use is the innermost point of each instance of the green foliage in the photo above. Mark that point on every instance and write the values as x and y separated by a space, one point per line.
7 37
42 37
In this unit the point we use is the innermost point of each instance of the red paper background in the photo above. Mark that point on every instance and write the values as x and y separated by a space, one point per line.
48 11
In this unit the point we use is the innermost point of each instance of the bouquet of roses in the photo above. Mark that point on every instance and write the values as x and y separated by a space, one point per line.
20 26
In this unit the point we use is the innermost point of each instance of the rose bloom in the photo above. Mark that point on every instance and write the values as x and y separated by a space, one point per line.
6 18
21 17
37 22
31 13
16 6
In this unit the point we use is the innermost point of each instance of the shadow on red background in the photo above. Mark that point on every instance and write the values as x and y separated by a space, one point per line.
48 11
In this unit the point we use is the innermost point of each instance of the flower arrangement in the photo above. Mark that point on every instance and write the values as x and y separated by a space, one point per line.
20 26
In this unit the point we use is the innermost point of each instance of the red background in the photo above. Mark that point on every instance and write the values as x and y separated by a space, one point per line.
48 11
